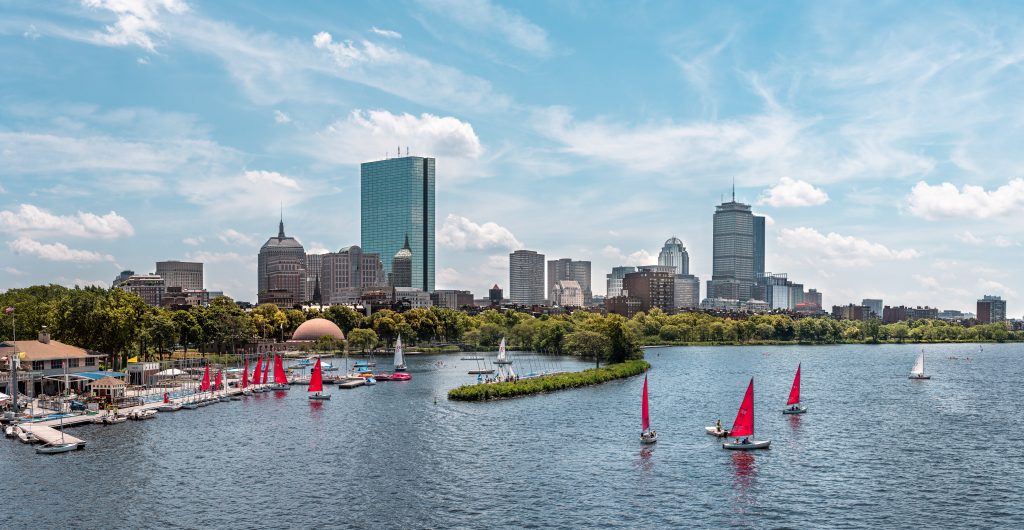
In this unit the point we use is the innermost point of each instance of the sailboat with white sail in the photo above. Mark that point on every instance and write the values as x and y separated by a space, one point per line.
401 371
917 372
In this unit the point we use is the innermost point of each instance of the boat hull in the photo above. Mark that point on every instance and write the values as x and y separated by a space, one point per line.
648 438
170 407
279 386
757 444
320 397
56 448
713 431
401 376
920 376
481 372
800 409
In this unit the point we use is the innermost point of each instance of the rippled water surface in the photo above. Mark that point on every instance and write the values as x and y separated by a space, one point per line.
875 449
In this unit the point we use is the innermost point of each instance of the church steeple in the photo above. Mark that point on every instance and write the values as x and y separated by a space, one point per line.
280 226
317 296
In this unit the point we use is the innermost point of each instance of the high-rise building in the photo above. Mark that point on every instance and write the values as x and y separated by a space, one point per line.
451 298
281 271
758 244
991 309
347 272
401 267
687 292
149 287
812 298
674 254
732 271
776 289
185 274
567 293
567 269
397 202
654 289
494 295
122 277
614 280
314 267
526 277
874 305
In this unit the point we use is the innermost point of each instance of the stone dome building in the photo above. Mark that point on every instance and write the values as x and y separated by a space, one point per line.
312 330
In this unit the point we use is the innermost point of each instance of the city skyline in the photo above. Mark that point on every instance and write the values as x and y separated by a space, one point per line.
178 138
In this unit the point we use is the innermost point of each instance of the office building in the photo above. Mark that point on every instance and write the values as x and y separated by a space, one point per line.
494 295
991 309
567 269
851 312
758 244
900 313
345 274
687 292
410 298
626 306
812 298
122 277
397 202
775 289
874 305
401 267
149 287
281 271
314 268
526 277
185 274
567 293
732 271
654 289
674 254
614 281
451 298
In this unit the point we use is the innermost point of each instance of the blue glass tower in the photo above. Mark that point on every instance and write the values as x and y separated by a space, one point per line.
397 201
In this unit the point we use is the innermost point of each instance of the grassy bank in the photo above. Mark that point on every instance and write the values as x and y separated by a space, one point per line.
549 383
666 344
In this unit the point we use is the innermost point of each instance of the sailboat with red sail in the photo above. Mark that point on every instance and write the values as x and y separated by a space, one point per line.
743 428
280 377
316 383
793 405
647 436
218 384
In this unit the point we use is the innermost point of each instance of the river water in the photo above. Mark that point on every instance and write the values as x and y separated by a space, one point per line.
874 450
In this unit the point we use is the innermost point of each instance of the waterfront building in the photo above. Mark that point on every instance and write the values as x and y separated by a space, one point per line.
614 280
281 271
347 272
178 298
874 305
567 293
726 304
494 295
149 287
626 306
674 254
526 277
122 277
654 289
732 271
314 268
401 267
43 362
758 224
991 309
451 298
397 202
567 269
185 274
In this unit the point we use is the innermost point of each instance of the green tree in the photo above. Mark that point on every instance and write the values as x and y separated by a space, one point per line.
587 343
362 339
620 346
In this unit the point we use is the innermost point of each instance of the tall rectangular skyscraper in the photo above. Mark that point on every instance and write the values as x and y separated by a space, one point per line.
397 201
732 271
758 244
526 277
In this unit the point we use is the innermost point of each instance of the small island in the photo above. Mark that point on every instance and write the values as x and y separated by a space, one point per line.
548 383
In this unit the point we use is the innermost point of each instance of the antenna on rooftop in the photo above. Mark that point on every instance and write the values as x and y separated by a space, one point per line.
734 189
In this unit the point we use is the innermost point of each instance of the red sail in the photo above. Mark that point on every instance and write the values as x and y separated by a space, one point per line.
245 375
316 381
266 368
256 372
206 380
279 375
794 393
744 424
217 381
644 416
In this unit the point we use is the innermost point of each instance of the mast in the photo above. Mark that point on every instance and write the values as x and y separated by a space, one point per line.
14 362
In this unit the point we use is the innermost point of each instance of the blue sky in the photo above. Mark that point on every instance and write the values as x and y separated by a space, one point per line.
881 140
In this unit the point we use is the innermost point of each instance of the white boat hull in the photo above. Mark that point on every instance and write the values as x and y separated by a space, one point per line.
56 448
27 437
713 431
143 414
757 444
800 409
648 438
921 376
320 397
169 407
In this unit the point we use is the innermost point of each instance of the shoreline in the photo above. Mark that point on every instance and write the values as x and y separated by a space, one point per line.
549 383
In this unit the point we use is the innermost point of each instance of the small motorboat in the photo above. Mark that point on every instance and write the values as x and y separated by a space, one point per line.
744 425
111 419
191 405
371 381
716 431
145 414
11 430
795 408
235 397
26 437
247 392
379 377
169 407
52 449
481 372
320 397
793 405
401 376
649 437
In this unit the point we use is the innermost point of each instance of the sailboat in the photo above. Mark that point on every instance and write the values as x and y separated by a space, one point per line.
647 436
400 369
263 381
917 372
280 378
256 376
316 383
793 405
743 427
62 446
220 384
503 357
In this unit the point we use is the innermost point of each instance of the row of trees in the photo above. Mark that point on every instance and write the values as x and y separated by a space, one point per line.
119 323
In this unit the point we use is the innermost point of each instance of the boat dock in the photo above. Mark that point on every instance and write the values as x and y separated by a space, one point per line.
352 383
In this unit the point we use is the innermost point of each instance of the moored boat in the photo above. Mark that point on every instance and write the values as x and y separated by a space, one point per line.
54 448
399 357
401 376
144 414
743 428
793 405
280 377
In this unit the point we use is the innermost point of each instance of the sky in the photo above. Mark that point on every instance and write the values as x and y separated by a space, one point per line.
881 140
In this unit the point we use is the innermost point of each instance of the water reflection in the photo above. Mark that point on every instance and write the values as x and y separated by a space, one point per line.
745 472
646 463
795 421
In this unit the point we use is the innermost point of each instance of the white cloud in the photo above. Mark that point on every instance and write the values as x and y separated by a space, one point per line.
34 220
31 32
55 251
839 250
967 237
315 247
969 201
14 271
234 237
994 287
281 117
793 193
88 283
220 257
929 282
487 18
193 241
137 21
640 257
386 33
768 220
250 193
461 233
142 60
1003 241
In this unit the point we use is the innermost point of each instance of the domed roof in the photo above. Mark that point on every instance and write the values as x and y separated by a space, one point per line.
674 241
313 329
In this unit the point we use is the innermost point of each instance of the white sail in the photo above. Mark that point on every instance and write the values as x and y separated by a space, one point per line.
502 355
399 359
919 365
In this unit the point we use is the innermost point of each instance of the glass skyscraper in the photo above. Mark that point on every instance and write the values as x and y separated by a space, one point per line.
397 201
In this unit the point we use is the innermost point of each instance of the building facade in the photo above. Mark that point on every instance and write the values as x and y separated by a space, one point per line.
314 268
674 254
495 295
185 274
567 293
451 298
776 289
568 269
401 267
991 309
758 244
526 278
397 202
687 292
851 312
732 268
347 272
874 305
149 287
281 271
654 289
626 306
614 280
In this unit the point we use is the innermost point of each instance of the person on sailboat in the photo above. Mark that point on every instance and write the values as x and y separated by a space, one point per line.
718 425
